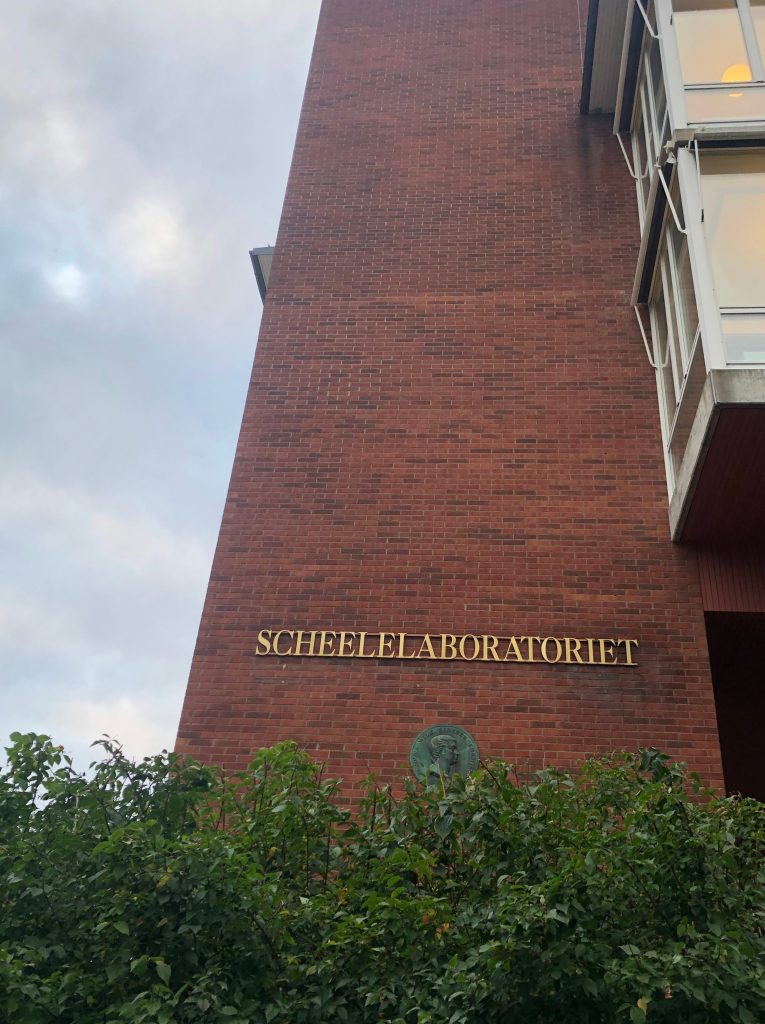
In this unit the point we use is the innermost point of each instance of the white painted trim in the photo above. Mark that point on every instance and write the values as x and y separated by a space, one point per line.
671 204
632 174
750 41
643 336
706 299
649 27
670 65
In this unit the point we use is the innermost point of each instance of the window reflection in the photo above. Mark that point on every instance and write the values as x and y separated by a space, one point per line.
745 104
733 191
744 337
710 42
686 297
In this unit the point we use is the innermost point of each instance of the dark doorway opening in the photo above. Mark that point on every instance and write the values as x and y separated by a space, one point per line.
737 656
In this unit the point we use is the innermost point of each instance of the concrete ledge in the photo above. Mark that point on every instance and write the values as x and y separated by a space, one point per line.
732 387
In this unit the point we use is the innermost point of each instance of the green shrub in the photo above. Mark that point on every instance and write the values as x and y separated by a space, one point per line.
164 892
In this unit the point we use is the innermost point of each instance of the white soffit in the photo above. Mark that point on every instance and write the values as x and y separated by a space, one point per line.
265 259
609 38
261 264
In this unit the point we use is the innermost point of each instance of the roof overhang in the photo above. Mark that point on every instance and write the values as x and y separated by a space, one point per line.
261 264
606 22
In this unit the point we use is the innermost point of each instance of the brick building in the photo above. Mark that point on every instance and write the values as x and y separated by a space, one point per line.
454 500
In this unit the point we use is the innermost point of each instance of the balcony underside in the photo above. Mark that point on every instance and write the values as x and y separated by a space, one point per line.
720 489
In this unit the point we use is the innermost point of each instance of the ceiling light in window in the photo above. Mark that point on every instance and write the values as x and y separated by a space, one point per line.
737 73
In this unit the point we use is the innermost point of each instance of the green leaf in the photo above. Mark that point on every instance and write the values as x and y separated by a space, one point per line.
163 970
443 826
630 950
122 927
114 971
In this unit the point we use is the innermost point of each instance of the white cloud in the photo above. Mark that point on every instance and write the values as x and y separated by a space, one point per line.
145 544
150 236
120 540
66 142
67 282
142 725
120 422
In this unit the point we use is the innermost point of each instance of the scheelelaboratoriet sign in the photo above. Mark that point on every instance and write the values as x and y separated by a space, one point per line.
348 643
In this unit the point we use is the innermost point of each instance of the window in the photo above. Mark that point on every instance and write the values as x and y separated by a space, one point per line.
642 165
733 195
678 352
650 128
721 45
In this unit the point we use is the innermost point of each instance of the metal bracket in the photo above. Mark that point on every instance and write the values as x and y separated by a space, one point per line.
698 177
652 33
645 340
636 177
680 227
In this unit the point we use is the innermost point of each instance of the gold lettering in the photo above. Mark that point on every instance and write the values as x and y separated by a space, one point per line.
490 647
282 632
325 645
448 643
572 650
299 643
444 646
531 640
385 648
558 649
362 637
628 650
426 644
610 644
264 639
476 646
513 646
346 640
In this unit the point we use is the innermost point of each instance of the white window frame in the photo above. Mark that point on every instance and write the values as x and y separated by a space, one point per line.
672 71
670 66
644 109
709 329
689 183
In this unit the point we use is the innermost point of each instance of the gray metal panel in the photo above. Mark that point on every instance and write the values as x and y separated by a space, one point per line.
261 264
607 54
265 265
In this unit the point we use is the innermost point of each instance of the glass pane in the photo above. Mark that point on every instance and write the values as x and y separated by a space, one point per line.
733 192
746 104
641 159
744 337
658 90
670 300
662 356
689 403
686 298
710 41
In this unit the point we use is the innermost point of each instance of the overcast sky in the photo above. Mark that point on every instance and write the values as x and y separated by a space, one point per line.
144 149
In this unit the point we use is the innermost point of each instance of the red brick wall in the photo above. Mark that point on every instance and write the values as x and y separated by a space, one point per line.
451 425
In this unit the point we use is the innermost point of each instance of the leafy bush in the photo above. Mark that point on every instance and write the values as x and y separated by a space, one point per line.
164 892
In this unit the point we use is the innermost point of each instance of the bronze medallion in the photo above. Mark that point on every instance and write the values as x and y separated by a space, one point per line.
442 751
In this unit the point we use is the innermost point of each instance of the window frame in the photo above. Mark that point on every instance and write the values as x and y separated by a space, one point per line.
677 90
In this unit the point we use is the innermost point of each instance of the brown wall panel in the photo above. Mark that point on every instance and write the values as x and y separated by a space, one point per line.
732 579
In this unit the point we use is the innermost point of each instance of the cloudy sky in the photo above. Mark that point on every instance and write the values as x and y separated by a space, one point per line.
145 148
